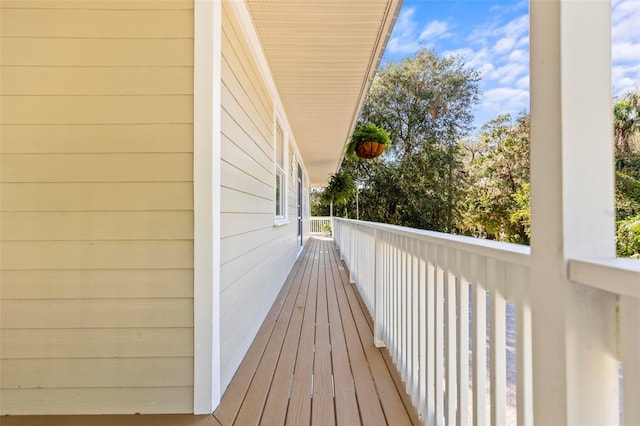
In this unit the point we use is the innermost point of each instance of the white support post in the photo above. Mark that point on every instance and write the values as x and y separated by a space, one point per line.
574 366
378 320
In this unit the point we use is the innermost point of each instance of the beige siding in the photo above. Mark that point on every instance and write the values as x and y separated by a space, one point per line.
96 197
256 255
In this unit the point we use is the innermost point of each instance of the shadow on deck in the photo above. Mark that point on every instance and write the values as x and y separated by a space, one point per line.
313 360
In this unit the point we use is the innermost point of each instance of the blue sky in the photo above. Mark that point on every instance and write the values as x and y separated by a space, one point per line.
492 36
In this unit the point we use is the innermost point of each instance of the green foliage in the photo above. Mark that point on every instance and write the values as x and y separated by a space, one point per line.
628 237
432 179
341 187
425 102
497 165
521 215
366 132
626 116
317 206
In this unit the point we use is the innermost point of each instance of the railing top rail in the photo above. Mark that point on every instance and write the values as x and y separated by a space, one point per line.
508 252
619 276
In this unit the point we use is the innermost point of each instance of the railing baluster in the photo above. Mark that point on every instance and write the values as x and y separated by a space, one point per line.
423 331
524 362
451 344
415 323
629 318
440 324
403 311
479 341
496 276
378 289
431 332
387 287
396 299
462 260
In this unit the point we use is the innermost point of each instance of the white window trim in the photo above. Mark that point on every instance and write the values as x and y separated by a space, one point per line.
283 219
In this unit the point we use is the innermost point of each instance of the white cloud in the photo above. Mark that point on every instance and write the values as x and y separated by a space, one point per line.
434 29
499 50
519 56
403 39
407 38
523 83
625 78
504 45
503 100
625 48
625 52
625 18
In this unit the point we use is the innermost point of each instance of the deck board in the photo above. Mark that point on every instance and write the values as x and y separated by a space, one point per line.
323 412
313 361
275 410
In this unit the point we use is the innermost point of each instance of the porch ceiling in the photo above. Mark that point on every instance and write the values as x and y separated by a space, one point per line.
323 56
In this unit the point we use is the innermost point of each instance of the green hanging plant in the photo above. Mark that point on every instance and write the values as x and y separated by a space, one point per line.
340 189
368 141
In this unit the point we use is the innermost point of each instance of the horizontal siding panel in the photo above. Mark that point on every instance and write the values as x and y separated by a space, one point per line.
164 400
240 180
96 343
248 99
96 81
96 372
97 4
95 284
97 313
238 245
88 138
237 52
84 23
238 268
233 152
232 201
96 254
74 226
238 223
96 196
96 52
258 132
96 109
139 167
257 286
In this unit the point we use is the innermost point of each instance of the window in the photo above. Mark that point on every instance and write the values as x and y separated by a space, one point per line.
280 174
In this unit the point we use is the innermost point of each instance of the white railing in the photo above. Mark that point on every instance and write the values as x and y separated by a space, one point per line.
442 303
620 277
320 225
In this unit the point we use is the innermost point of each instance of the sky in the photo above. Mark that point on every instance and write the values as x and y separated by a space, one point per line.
492 36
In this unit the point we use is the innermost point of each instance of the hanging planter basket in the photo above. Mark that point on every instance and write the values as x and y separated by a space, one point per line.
369 149
367 141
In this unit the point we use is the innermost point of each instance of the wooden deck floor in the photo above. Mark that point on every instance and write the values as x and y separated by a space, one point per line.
313 361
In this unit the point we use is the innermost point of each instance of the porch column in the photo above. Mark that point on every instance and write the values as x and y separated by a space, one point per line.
572 211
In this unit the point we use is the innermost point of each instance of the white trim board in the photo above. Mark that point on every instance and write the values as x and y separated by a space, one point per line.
206 188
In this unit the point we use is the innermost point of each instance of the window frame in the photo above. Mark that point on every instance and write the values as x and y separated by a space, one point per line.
280 175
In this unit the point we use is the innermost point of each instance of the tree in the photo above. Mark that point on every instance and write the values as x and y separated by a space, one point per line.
626 123
497 203
425 102
626 119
